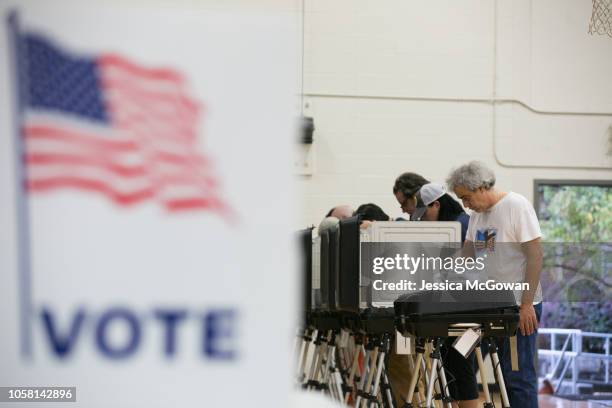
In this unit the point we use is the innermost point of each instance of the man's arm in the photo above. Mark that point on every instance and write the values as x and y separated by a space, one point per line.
533 251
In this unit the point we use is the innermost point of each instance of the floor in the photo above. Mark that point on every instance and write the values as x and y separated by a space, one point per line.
548 401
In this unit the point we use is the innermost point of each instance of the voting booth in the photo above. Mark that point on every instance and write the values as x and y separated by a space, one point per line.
352 323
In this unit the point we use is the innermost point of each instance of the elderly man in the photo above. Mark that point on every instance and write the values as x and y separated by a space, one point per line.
504 224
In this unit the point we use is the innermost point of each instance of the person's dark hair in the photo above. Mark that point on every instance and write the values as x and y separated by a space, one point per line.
329 213
371 212
409 183
450 209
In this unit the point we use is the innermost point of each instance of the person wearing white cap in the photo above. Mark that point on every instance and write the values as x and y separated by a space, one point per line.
439 206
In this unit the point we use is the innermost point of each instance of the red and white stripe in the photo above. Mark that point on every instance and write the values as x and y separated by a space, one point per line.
148 152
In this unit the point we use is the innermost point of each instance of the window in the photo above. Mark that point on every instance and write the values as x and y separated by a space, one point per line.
576 222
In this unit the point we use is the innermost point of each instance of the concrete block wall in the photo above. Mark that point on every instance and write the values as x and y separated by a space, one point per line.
406 85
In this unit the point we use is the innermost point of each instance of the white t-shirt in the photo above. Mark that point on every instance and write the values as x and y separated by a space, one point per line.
501 230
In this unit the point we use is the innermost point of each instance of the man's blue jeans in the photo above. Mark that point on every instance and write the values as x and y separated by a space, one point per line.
522 385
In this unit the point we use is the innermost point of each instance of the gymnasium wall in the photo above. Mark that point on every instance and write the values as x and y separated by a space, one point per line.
403 85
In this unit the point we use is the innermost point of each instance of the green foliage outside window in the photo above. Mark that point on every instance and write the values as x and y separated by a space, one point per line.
576 223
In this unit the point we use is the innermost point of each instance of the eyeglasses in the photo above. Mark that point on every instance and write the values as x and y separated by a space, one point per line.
406 202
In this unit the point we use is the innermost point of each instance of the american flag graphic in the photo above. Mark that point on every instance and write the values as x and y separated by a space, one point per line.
109 126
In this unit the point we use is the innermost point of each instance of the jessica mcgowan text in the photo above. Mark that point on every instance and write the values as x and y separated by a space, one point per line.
406 285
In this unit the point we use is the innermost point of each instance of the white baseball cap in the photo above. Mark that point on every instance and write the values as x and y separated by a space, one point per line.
431 192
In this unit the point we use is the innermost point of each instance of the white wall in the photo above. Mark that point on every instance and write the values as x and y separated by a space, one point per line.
404 85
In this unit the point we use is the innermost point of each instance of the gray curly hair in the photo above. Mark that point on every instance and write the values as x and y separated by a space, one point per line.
472 176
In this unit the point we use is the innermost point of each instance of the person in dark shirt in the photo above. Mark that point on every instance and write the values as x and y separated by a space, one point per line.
437 205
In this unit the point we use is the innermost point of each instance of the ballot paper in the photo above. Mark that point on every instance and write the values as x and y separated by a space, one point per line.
465 343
